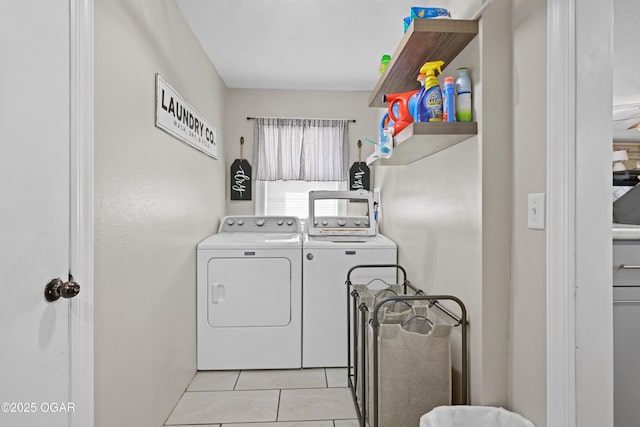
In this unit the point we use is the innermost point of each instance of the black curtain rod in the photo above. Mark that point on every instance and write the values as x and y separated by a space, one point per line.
350 121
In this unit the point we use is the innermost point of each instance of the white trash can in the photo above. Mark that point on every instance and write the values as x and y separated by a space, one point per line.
472 416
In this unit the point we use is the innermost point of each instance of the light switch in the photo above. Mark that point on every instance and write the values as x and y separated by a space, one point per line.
535 211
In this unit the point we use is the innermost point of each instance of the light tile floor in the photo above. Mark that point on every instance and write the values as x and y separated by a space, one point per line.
270 398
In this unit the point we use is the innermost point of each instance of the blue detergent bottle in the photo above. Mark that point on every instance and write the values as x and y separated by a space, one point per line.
448 100
385 123
429 104
415 99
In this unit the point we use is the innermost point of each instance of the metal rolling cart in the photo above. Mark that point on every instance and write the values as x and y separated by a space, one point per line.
396 376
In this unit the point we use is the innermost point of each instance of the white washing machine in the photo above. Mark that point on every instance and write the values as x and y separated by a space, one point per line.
332 245
249 294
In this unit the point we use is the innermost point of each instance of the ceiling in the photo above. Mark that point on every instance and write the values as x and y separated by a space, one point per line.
337 44
299 44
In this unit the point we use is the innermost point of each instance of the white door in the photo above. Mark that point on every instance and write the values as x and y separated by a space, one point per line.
249 292
249 308
35 224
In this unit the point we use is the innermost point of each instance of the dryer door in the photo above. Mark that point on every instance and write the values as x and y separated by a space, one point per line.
249 292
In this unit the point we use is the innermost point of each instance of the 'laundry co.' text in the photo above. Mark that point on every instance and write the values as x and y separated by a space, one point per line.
176 117
184 116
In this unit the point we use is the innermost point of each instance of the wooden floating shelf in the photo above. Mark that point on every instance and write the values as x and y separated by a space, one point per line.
420 140
425 40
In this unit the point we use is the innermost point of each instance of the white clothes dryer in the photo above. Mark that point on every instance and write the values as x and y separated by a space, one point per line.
249 284
332 245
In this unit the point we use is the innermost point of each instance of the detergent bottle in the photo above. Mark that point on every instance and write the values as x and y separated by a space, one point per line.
399 109
463 95
429 107
385 123
448 100
415 98
387 146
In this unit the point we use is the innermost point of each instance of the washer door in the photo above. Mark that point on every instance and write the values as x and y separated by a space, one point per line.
249 292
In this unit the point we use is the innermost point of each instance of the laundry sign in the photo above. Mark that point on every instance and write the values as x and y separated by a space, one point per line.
359 173
241 176
240 180
359 176
178 118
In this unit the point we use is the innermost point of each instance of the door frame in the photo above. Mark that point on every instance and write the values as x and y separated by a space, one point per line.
579 292
560 234
81 210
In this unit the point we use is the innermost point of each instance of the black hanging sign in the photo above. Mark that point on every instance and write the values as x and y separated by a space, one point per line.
359 174
241 177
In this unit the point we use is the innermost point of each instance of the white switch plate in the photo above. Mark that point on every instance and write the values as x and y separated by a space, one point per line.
535 211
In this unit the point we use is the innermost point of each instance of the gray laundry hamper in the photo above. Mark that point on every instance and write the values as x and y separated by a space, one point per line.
391 315
399 361
365 297
412 374
361 299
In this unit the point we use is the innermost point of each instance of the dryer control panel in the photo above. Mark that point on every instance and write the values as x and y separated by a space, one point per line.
260 224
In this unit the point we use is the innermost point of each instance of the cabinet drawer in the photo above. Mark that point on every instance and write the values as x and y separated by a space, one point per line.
626 262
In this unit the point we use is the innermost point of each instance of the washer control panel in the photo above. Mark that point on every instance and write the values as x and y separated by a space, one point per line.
260 224
341 222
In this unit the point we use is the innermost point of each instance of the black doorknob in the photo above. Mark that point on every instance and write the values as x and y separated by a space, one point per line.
57 289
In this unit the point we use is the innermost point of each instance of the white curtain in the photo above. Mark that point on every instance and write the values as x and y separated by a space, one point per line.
300 149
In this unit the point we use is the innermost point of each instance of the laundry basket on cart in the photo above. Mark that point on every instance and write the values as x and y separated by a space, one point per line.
367 296
473 416
399 352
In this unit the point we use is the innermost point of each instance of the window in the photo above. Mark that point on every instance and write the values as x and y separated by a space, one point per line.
295 156
292 197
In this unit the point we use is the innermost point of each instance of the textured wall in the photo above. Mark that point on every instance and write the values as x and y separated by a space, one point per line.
528 299
431 209
155 199
450 213
243 103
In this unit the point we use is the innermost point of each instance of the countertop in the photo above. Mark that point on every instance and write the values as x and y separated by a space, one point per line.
626 232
